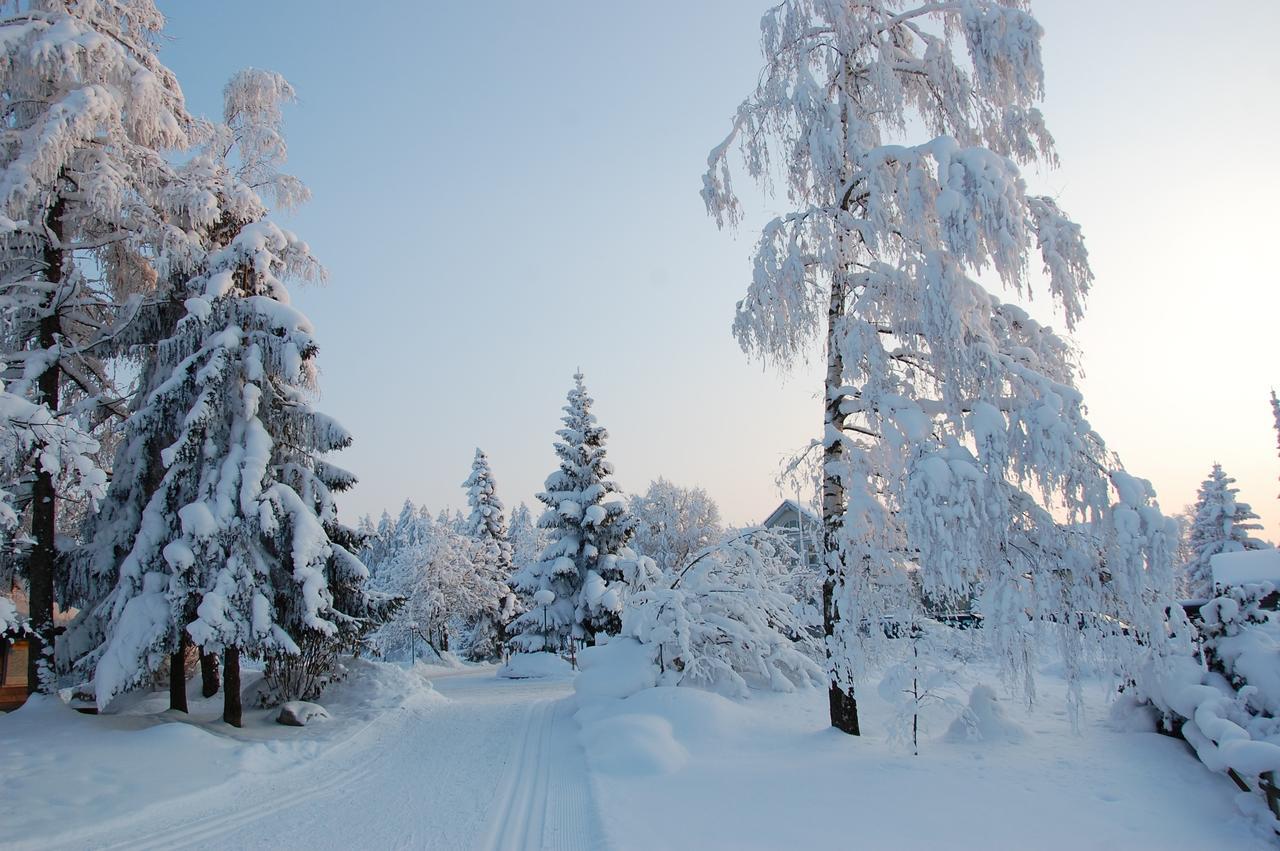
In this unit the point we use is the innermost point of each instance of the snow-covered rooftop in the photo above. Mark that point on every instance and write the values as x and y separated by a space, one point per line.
1247 566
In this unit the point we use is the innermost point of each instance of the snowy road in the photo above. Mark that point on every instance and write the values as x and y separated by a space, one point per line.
496 767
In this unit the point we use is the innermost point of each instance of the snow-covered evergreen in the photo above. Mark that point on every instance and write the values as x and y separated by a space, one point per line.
237 545
586 530
951 424
492 561
1222 524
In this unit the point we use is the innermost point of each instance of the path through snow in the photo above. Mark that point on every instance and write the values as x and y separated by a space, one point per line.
496 767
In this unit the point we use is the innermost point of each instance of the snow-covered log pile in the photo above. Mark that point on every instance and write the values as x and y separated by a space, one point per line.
1228 709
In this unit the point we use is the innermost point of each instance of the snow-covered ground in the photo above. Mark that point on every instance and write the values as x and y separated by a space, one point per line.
770 773
461 758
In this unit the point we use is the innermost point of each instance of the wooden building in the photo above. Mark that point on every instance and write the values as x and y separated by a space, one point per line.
13 671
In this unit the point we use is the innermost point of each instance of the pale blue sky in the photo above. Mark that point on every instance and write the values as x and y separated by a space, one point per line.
506 191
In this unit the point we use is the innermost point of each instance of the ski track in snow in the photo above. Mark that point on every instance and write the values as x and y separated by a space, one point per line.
497 767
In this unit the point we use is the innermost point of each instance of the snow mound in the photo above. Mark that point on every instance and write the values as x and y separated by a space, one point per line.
300 713
523 666
1130 715
984 720
370 686
616 670
633 745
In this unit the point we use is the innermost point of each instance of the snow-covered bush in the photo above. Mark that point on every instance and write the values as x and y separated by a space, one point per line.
723 621
1228 709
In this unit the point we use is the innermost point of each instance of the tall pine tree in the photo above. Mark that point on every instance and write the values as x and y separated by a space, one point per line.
1222 524
579 565
487 525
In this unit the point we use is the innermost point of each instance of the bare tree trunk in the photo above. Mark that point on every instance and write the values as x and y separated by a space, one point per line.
843 707
232 711
44 505
178 675
208 674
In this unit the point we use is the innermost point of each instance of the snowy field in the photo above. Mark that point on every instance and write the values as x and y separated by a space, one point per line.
462 758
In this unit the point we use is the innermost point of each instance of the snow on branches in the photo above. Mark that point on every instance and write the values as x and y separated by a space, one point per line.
722 620
954 438
580 563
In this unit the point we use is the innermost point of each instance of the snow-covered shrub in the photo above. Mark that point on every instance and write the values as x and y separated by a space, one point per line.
923 679
723 621
1228 709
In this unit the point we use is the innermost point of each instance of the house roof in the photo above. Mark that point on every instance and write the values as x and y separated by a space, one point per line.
788 505
1247 566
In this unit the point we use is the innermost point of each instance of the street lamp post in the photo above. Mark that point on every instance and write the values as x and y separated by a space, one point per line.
413 641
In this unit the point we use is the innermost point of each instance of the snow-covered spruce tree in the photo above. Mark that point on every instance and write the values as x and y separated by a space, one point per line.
950 420
90 111
579 565
1275 412
206 202
673 523
239 545
1221 525
493 561
527 540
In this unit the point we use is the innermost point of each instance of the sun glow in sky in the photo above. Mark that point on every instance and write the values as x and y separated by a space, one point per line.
505 193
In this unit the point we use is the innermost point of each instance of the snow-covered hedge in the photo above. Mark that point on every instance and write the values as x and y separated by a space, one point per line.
1228 708
723 622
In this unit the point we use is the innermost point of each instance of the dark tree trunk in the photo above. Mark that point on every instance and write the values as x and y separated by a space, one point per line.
208 674
44 497
843 706
178 675
231 708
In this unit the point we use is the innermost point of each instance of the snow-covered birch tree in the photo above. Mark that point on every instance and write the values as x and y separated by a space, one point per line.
1222 524
89 114
950 420
580 563
673 523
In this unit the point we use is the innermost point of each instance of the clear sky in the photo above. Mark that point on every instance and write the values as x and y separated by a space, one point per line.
504 192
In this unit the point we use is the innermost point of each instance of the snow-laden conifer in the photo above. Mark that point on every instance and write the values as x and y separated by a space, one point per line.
492 560
238 545
951 423
586 531
1222 524
527 540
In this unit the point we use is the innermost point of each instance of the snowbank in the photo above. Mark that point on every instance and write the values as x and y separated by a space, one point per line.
81 774
523 666
770 773
1246 566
